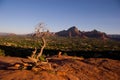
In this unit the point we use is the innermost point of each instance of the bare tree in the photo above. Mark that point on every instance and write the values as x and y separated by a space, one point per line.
40 32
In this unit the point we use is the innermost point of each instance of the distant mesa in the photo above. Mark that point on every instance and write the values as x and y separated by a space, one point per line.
6 34
74 32
96 34
114 36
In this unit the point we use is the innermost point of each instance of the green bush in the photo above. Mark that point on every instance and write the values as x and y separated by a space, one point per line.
65 54
42 58
2 52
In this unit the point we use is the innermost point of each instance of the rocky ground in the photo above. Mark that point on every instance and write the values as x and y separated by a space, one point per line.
63 68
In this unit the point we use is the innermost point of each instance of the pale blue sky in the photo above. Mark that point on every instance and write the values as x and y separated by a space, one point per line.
21 16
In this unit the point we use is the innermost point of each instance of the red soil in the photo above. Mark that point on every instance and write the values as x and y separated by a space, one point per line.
64 68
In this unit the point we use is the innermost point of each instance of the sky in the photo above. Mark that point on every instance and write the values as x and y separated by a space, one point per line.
22 16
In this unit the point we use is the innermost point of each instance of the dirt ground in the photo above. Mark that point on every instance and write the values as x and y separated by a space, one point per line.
64 68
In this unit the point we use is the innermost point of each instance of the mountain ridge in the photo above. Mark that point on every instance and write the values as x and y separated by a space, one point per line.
75 32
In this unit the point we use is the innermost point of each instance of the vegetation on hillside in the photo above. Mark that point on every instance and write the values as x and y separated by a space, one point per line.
61 43
23 46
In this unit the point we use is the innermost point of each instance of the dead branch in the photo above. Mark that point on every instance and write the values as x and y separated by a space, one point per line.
59 54
33 59
33 53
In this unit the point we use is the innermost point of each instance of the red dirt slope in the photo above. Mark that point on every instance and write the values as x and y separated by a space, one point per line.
64 68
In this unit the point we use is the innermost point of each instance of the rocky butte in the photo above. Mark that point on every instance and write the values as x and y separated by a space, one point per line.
74 32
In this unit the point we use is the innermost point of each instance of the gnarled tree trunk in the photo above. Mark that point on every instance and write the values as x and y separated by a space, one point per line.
39 32
41 51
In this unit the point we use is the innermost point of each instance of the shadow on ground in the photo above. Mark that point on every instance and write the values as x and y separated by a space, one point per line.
24 52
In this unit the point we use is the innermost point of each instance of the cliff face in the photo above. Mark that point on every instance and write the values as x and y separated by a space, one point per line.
96 34
74 32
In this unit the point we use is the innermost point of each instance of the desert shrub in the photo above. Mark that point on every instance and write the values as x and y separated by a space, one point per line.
42 58
81 57
2 52
65 54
